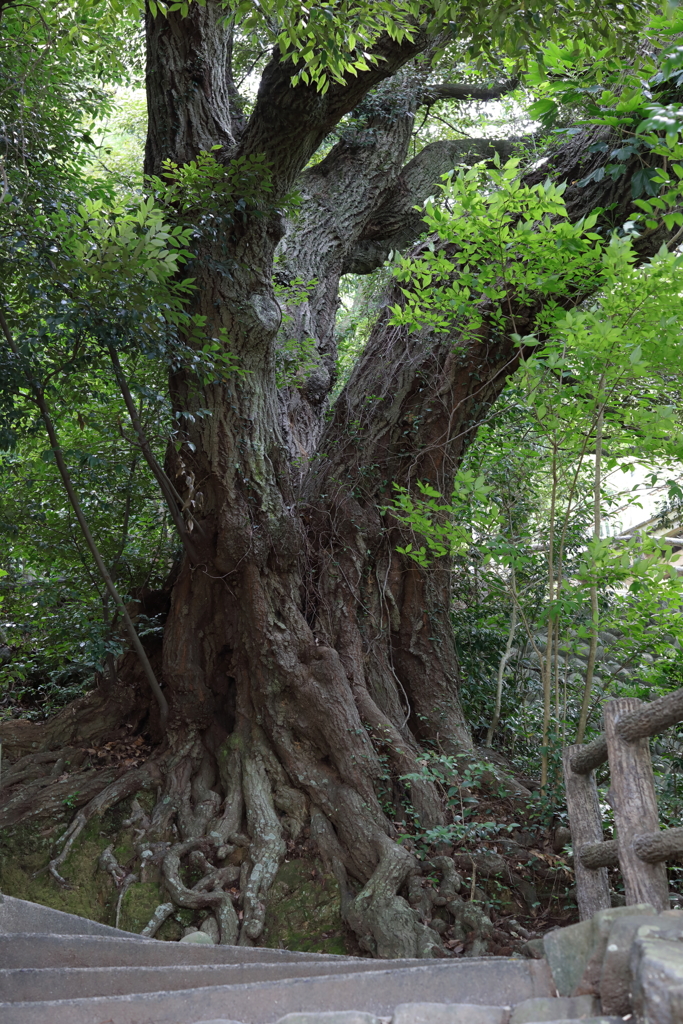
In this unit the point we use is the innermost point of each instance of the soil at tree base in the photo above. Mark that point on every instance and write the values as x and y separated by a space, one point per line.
304 903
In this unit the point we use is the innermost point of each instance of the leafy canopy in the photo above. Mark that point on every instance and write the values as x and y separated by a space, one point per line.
333 39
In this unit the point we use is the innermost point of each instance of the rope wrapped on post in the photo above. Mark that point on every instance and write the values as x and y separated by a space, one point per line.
651 847
642 848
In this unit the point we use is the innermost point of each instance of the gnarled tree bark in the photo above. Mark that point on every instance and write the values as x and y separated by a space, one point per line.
301 652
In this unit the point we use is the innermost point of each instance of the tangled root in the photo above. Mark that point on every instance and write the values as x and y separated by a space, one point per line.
223 817
205 830
132 782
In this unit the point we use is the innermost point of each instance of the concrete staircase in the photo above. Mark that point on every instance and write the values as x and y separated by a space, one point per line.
59 969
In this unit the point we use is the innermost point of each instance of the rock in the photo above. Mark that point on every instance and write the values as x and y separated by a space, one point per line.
333 1017
210 927
452 882
471 926
561 837
575 954
533 949
615 979
198 938
545 1008
603 922
447 1013
525 839
657 972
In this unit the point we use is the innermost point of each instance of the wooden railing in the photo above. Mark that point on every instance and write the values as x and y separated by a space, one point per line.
641 847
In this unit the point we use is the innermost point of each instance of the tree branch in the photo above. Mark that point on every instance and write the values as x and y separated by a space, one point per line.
448 91
410 410
395 223
275 126
165 486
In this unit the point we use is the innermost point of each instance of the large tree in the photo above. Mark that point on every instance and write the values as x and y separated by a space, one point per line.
303 656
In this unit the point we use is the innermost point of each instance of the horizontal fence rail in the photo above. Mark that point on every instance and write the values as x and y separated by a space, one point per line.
641 847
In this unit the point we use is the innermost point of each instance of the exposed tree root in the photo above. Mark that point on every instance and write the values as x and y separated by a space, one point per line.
161 914
267 847
385 922
122 879
131 782
229 800
206 893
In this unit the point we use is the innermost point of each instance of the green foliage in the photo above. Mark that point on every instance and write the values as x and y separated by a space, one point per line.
103 243
332 40
83 268
437 521
502 239
637 100
56 61
457 787
118 137
295 358
58 623
515 526
205 186
598 86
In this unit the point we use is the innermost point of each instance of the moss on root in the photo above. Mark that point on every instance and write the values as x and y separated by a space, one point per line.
24 850
138 905
304 903
304 910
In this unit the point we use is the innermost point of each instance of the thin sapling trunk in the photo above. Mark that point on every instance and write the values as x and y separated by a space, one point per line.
592 652
43 407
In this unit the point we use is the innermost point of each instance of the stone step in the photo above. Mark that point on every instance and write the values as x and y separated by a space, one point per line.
50 983
532 1011
438 1013
23 916
422 1013
31 950
378 992
405 1013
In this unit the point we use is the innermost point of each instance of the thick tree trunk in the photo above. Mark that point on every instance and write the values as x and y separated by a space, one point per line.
301 653
249 683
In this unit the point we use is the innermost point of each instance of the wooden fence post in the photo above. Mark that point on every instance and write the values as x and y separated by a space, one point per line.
585 823
635 807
